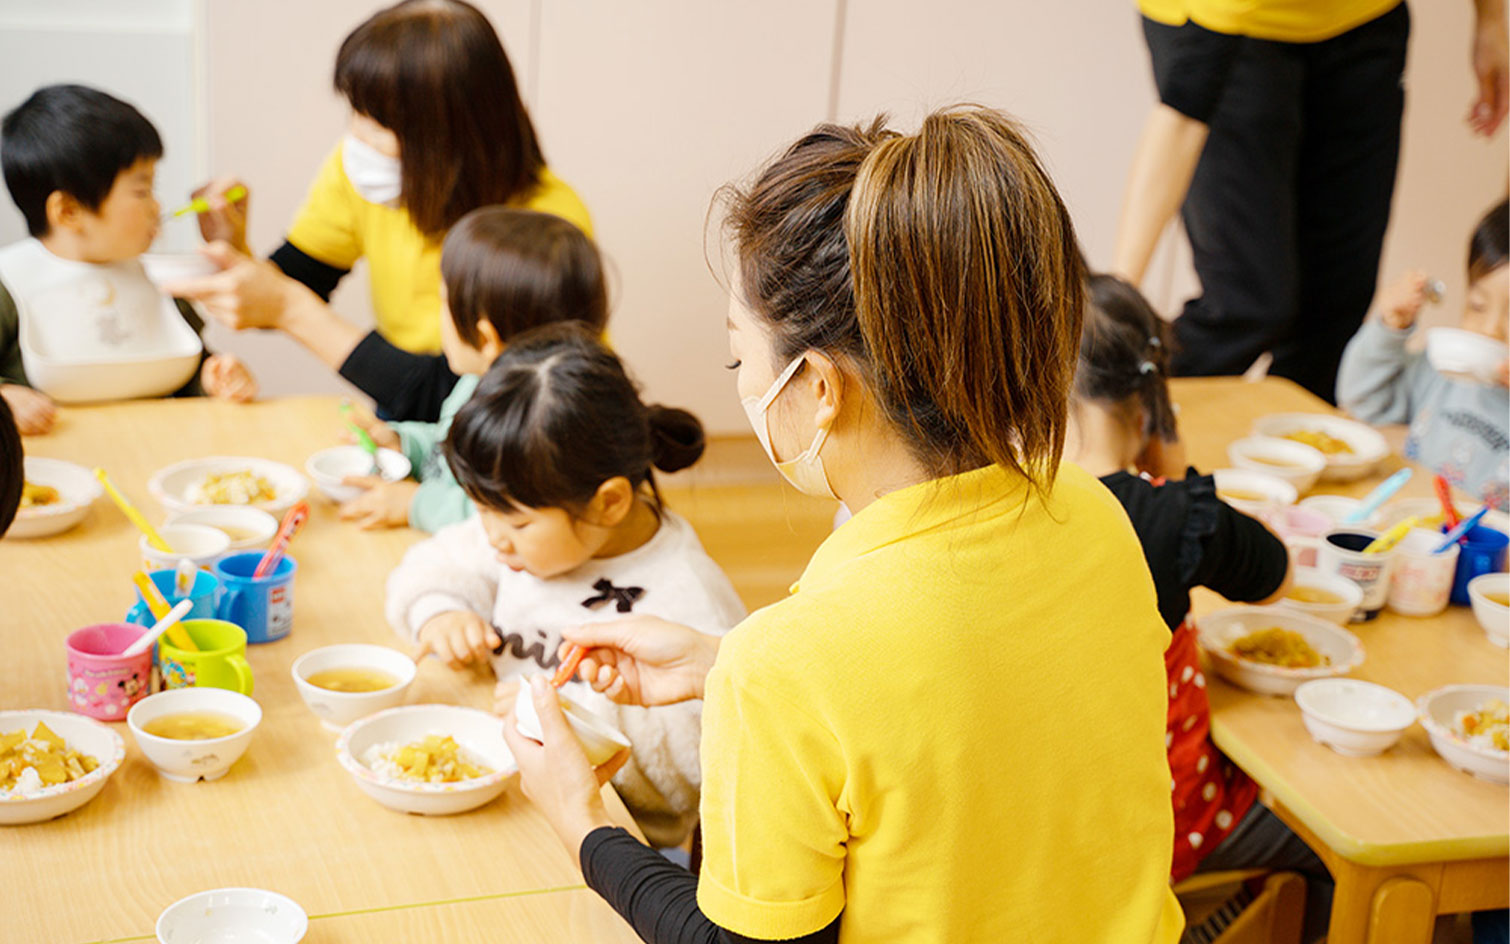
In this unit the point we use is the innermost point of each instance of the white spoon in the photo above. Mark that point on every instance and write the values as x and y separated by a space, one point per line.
145 642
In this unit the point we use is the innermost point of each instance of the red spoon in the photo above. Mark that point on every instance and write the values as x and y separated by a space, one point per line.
569 665
1444 495
289 527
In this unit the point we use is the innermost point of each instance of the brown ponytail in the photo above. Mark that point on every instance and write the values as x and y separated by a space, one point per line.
1124 353
942 265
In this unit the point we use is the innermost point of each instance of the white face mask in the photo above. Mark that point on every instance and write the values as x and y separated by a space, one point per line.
805 472
374 175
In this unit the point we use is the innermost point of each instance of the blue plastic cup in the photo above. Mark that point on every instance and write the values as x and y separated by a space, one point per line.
1483 552
202 593
264 607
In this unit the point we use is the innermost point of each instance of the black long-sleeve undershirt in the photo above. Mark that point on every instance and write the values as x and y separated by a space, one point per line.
658 897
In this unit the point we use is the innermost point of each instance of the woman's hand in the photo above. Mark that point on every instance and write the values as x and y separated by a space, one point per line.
1400 302
556 776
458 638
382 505
504 694
34 411
225 221
245 293
644 660
225 377
1491 70
381 432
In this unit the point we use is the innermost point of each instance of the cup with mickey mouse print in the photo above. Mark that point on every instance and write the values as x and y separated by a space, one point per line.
102 683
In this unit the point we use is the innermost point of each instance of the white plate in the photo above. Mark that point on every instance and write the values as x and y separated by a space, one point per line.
478 732
1438 710
233 916
1352 717
77 487
1369 447
329 466
84 735
1219 630
170 486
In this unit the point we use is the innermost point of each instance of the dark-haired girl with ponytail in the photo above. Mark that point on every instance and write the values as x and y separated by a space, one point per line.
1123 430
557 451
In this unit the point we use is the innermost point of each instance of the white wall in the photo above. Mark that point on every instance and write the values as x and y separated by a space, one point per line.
646 107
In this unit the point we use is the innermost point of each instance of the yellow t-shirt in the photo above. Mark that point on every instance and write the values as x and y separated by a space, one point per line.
1290 21
338 227
953 730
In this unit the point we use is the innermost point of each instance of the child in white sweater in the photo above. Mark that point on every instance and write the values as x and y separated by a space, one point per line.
556 449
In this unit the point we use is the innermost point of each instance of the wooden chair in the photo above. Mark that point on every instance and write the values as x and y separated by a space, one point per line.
1248 907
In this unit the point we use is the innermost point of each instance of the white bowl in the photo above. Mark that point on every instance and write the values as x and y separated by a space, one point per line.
478 732
1296 463
165 267
1465 355
1429 511
171 485
338 709
188 761
1438 712
198 543
1235 485
224 915
1218 631
1354 718
329 466
599 739
77 488
1367 445
1338 507
1493 617
84 735
1336 584
247 527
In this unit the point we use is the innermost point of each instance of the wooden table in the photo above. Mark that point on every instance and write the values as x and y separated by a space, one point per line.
286 817
1405 836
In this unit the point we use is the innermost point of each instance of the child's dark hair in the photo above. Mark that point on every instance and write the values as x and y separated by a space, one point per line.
70 138
1489 246
521 269
554 418
12 467
1124 352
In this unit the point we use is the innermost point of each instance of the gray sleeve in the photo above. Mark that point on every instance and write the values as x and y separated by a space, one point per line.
1379 380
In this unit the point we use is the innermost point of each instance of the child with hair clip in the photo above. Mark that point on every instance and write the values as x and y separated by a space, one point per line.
1122 429
1458 428
556 450
503 271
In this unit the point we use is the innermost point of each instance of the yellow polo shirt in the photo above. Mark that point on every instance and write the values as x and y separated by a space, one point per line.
952 730
1290 21
338 227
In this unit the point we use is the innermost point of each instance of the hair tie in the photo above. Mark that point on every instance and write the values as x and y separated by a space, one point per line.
1154 342
1148 367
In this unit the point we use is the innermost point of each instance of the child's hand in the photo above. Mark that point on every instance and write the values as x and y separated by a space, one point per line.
381 432
225 377
35 412
383 505
1401 301
225 220
504 694
458 638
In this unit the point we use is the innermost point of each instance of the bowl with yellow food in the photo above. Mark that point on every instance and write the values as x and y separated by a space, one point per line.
343 683
52 762
434 760
1352 450
1328 596
55 496
192 734
228 480
1272 650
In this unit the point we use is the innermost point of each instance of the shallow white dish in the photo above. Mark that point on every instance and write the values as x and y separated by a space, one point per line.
1339 613
600 740
246 527
1219 630
477 732
1338 507
1465 355
233 916
171 485
1294 462
1354 718
1493 617
163 268
84 735
1438 710
338 709
1368 446
198 543
1272 489
188 761
77 487
329 466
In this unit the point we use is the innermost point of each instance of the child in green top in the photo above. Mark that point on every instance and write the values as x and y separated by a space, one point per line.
503 271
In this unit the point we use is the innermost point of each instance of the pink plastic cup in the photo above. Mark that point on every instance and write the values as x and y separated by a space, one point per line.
102 683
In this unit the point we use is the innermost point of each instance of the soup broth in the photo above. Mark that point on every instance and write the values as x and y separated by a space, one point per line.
1313 595
352 680
1503 599
235 533
1275 463
193 726
1240 494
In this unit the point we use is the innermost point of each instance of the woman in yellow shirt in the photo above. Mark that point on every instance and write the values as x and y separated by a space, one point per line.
437 130
933 738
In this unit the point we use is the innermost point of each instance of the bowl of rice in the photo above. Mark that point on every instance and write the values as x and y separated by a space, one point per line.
1272 650
430 759
1470 728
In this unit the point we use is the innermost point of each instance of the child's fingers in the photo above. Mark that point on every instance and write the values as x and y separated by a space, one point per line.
424 649
362 481
373 521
